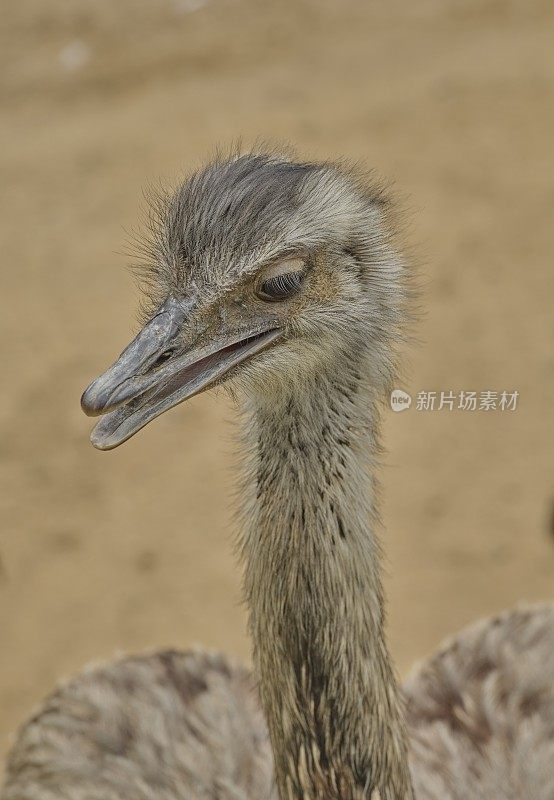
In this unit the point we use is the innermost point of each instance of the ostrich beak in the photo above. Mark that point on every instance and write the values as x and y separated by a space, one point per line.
153 373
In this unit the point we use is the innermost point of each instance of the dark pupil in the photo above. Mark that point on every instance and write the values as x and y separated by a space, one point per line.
282 286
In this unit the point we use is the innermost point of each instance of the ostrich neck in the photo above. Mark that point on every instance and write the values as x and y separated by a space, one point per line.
313 586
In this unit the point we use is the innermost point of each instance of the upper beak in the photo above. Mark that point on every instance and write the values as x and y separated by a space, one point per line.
148 378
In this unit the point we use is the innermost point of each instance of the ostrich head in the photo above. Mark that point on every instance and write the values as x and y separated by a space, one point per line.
266 272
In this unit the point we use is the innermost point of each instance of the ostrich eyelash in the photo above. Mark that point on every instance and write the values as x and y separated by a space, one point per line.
281 287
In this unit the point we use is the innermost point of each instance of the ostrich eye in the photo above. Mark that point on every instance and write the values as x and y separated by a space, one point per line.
281 287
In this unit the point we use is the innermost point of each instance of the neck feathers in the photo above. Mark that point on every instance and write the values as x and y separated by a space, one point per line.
313 586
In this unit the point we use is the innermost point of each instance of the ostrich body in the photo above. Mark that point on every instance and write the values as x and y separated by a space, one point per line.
281 281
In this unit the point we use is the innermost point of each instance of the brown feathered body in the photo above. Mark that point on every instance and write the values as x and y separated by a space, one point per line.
331 722
172 725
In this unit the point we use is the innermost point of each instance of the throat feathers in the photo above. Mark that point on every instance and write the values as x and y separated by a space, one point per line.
313 587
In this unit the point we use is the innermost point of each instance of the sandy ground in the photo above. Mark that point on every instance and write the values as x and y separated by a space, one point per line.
131 550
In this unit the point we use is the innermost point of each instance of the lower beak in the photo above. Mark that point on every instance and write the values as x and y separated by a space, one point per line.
147 379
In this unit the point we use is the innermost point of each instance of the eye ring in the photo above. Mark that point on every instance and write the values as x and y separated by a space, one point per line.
281 287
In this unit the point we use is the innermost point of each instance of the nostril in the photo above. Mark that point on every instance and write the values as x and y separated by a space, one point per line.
163 357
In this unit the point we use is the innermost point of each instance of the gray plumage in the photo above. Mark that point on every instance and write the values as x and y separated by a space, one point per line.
178 725
170 725
477 721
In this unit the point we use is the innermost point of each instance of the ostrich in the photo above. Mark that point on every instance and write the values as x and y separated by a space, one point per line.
281 281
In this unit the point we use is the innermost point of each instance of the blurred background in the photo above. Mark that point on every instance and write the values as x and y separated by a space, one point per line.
453 101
